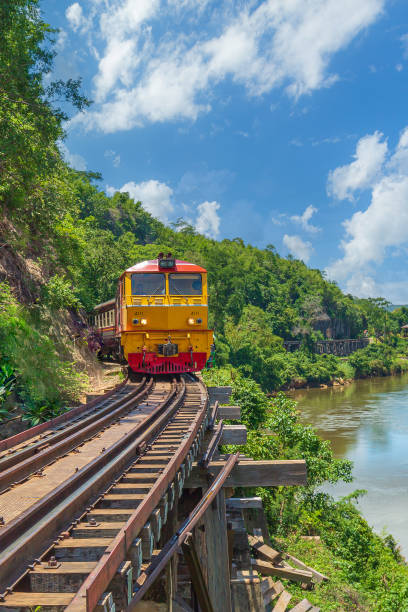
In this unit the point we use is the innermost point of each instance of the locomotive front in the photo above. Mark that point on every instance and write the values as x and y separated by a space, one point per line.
162 310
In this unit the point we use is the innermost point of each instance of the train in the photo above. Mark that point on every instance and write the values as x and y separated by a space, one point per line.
158 321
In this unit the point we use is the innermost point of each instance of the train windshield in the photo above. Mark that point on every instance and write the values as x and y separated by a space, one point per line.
148 284
185 284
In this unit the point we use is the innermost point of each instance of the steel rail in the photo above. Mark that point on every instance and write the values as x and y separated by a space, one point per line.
36 527
12 458
23 436
96 583
82 431
182 533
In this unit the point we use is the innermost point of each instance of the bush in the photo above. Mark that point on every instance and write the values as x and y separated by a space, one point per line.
58 294
42 377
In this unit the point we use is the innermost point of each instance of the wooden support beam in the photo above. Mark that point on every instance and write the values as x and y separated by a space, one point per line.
267 569
196 574
318 577
216 539
252 474
147 542
263 551
246 594
219 394
135 556
242 503
214 416
232 413
213 445
234 434
121 586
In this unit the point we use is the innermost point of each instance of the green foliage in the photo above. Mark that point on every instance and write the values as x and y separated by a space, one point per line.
7 381
42 377
36 413
58 294
376 360
246 393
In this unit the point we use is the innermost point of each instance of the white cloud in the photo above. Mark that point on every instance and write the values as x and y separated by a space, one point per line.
115 157
362 172
154 195
404 43
73 159
304 219
208 219
372 233
75 17
145 75
298 247
61 40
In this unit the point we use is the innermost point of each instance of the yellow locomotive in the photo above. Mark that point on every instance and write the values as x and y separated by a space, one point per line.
159 319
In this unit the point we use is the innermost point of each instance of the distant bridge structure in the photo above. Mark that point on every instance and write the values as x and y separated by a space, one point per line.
341 348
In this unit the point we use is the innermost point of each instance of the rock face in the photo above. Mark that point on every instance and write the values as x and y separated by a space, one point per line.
335 328
323 324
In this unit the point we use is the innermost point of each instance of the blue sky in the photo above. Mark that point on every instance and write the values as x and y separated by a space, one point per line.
282 122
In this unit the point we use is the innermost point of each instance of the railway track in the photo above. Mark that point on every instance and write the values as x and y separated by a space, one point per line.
89 498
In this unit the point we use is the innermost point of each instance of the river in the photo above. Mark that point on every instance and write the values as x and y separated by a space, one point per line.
367 422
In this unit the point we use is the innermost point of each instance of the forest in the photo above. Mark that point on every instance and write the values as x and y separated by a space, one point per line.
64 243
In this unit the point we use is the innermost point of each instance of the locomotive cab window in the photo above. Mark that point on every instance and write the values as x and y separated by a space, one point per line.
185 284
148 284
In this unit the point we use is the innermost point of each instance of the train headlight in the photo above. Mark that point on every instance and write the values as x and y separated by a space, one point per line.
191 321
143 321
135 321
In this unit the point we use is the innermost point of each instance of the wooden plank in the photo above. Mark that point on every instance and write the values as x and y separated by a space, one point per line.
282 602
234 434
239 503
65 578
272 593
318 577
263 550
267 569
55 601
302 606
253 474
232 413
99 530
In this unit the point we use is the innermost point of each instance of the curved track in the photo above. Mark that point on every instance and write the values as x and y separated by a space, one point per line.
100 492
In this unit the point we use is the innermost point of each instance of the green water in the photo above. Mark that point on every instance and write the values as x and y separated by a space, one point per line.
367 422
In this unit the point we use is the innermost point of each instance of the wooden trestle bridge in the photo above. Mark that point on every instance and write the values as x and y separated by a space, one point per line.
121 504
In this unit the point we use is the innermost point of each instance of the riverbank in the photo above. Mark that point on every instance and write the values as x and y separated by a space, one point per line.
366 571
367 422
321 371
